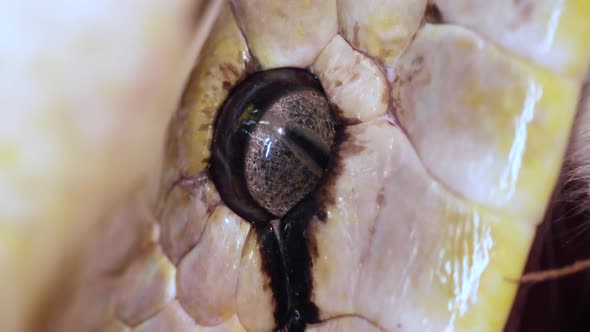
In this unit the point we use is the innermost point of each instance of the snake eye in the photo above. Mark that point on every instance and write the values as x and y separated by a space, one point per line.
272 143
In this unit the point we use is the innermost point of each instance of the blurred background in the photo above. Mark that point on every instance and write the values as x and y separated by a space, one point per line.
86 90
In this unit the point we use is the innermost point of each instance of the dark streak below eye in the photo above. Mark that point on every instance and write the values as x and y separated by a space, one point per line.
270 252
297 263
287 262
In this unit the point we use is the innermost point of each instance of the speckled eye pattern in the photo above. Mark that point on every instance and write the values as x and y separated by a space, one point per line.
272 143
456 115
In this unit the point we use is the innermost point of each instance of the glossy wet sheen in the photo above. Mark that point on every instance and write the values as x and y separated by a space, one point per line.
411 237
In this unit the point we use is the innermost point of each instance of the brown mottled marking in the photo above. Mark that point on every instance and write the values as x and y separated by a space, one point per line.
226 85
525 14
381 197
229 71
385 96
432 14
340 152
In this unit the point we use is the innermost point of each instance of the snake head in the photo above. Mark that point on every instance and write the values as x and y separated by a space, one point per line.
443 127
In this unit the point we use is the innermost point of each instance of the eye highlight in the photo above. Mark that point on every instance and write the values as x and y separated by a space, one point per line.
272 143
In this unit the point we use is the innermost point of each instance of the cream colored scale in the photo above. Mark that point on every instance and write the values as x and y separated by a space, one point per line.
461 131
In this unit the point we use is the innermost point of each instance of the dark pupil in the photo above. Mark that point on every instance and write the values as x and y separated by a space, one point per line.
272 143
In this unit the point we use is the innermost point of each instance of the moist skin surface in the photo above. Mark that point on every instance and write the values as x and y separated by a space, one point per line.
454 140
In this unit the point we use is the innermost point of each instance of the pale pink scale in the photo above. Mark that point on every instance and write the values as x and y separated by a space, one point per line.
553 34
147 286
287 33
115 326
255 301
352 81
380 28
184 214
483 122
374 257
171 318
208 274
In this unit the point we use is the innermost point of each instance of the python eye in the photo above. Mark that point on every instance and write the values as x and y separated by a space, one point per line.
272 142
